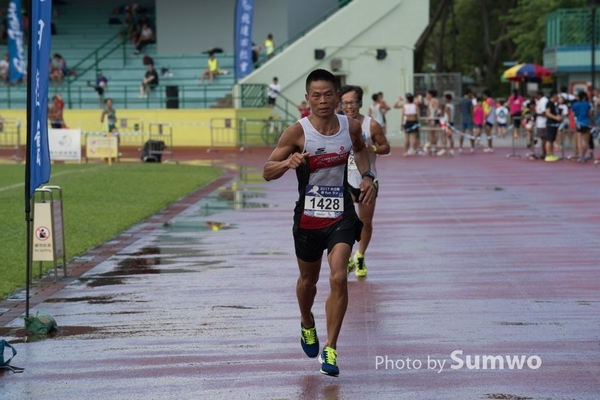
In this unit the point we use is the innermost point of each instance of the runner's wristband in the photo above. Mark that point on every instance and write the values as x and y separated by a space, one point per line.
374 148
369 174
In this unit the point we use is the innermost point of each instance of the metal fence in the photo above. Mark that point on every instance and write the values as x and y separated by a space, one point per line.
10 134
447 83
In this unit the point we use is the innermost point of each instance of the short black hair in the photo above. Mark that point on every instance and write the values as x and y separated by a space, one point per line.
487 93
432 92
582 95
410 98
448 96
553 93
469 92
563 89
375 96
351 88
321 75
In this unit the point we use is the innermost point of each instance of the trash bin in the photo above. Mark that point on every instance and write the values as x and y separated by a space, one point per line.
172 96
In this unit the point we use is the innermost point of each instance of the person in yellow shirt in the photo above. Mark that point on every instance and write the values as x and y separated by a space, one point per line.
270 46
212 70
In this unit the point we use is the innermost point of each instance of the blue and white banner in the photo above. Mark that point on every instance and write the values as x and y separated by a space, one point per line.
38 77
16 50
244 13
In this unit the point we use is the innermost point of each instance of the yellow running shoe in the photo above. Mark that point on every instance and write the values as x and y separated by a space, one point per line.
328 360
351 265
361 267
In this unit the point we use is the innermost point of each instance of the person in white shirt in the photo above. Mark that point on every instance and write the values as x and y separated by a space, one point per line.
501 118
541 102
274 90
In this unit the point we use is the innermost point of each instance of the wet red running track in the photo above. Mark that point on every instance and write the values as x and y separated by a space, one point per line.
477 255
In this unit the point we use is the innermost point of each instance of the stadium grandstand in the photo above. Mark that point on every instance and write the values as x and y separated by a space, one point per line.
375 52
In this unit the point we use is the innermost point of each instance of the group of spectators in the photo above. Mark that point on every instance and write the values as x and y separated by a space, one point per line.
545 121
136 27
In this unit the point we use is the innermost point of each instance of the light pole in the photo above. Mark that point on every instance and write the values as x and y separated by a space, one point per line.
593 4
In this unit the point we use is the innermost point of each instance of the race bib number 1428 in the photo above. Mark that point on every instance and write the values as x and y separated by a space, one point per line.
324 201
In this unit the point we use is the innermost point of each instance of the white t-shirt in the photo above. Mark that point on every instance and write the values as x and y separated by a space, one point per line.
502 114
540 108
4 65
274 89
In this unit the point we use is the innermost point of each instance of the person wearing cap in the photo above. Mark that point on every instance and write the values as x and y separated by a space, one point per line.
100 86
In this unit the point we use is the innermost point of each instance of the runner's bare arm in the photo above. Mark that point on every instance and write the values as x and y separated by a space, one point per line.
361 158
287 154
381 144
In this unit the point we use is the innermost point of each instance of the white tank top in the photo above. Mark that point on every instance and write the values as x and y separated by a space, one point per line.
354 176
323 197
410 109
376 113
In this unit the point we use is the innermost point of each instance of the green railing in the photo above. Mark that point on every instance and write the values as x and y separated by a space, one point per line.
97 55
253 95
263 57
571 27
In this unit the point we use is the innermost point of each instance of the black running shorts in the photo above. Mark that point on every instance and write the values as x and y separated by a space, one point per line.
356 192
311 243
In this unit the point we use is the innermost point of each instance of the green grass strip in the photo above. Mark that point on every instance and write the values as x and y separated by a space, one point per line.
99 202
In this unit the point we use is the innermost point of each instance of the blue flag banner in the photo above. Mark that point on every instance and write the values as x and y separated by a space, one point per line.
37 118
16 50
244 13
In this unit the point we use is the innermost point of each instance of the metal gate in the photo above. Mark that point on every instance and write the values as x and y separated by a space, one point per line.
10 134
449 83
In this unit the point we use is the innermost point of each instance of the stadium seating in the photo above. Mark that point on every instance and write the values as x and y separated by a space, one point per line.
82 29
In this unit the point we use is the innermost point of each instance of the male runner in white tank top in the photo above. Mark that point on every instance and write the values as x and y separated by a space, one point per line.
376 142
317 148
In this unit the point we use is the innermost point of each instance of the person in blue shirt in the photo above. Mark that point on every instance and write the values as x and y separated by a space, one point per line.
583 115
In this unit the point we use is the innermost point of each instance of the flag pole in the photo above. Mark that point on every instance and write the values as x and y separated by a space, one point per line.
28 218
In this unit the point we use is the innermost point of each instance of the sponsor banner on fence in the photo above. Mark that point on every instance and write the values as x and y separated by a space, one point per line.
101 147
65 144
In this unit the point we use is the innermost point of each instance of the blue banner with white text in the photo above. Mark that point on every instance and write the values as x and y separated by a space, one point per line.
16 49
244 13
39 152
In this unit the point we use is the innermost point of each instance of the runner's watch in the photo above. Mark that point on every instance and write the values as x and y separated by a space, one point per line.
369 174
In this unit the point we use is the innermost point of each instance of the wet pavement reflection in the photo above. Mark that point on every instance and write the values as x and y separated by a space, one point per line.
202 305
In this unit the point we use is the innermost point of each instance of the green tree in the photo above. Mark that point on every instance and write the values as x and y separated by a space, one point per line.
527 26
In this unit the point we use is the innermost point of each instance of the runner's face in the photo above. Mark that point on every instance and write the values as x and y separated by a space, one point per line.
350 105
322 98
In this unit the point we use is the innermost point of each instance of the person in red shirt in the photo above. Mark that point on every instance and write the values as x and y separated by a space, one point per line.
515 107
304 110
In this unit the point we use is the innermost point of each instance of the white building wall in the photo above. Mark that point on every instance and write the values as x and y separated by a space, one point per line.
353 35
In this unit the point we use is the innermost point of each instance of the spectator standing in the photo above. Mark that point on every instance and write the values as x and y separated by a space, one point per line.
465 108
55 112
583 115
100 86
515 105
447 130
489 113
552 123
274 90
501 118
149 82
410 117
433 120
541 121
563 110
269 46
